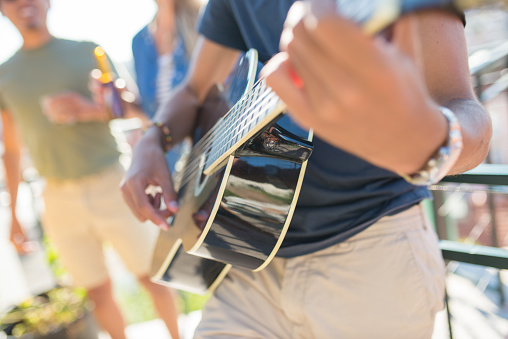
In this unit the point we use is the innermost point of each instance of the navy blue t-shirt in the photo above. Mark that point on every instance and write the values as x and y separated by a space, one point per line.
341 194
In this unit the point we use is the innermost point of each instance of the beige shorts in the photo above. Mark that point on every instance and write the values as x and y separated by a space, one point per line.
385 282
82 215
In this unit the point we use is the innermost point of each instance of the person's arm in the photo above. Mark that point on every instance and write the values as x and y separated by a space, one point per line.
11 159
448 79
380 100
210 64
165 29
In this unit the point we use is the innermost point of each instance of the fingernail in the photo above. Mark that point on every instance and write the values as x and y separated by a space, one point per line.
163 226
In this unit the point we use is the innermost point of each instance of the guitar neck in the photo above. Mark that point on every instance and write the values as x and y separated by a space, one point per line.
249 115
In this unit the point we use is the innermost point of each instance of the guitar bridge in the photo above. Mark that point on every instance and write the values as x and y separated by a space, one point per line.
276 141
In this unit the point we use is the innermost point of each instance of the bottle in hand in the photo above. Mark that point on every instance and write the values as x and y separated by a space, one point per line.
112 97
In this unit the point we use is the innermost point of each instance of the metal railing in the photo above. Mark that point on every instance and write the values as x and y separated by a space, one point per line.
493 176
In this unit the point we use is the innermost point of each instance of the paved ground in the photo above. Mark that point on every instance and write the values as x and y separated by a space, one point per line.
474 305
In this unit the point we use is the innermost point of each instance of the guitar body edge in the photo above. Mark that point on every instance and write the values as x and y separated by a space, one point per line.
249 202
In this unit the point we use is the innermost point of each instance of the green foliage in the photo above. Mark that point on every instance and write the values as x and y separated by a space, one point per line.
190 302
137 306
135 303
53 259
45 313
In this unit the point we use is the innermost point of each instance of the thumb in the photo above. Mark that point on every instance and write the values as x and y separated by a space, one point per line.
169 195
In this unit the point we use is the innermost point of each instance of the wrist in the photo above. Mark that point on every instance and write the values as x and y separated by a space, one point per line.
160 133
441 161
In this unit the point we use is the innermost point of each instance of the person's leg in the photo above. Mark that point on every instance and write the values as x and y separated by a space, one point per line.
132 240
164 303
106 310
250 305
385 282
67 222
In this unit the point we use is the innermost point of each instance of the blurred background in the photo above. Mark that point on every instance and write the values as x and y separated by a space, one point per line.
110 23
467 213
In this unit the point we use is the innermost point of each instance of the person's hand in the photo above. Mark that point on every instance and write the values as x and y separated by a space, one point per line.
69 108
18 238
363 94
96 87
100 91
149 169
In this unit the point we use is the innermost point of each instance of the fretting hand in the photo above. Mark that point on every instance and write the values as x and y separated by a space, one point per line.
365 95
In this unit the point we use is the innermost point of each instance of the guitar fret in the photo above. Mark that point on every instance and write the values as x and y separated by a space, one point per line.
243 119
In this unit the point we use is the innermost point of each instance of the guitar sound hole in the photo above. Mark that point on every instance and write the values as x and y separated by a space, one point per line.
202 178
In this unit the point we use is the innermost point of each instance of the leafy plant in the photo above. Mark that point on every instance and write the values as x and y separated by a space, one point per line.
45 313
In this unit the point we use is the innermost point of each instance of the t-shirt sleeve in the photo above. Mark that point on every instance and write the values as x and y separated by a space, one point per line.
219 25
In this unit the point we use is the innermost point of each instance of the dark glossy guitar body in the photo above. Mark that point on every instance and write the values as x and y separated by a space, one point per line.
239 214
185 271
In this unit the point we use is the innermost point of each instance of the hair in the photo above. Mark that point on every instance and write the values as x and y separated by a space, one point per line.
186 14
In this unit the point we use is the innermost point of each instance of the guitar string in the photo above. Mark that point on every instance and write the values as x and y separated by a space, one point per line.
226 126
194 165
202 144
192 169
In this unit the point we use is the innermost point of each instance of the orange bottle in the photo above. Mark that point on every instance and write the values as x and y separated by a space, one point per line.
112 97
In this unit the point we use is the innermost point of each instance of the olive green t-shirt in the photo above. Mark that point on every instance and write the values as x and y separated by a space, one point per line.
58 151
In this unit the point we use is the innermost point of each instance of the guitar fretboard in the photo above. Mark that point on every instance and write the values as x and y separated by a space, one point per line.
251 113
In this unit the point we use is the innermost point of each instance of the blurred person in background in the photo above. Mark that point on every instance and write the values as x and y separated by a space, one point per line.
45 100
161 52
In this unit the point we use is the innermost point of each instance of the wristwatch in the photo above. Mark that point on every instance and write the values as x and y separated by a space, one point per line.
443 160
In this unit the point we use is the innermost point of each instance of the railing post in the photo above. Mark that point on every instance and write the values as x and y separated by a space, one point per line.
448 313
495 242
440 220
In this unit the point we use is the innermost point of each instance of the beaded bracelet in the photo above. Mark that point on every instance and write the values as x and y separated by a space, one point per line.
166 133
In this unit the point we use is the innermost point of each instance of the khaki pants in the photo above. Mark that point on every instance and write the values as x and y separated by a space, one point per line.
81 215
386 282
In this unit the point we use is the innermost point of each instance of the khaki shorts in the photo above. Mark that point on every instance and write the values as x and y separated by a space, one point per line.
81 215
385 282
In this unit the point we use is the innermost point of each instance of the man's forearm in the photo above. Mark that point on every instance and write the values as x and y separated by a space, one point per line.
179 113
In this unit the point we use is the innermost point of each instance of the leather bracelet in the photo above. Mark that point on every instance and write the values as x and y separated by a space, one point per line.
166 134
